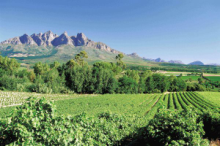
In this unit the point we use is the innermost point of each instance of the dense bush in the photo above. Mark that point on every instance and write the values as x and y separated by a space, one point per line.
175 128
211 120
36 123
127 85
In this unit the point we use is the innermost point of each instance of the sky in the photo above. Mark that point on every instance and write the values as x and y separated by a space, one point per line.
186 30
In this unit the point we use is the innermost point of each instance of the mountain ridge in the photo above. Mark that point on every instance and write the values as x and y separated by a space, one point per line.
50 39
46 44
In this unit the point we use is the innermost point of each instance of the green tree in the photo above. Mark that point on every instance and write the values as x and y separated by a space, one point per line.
119 60
149 85
79 57
200 80
55 65
70 64
8 64
78 78
127 85
133 74
40 68
103 81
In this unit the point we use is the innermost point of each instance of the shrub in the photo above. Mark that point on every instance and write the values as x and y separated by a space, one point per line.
175 128
211 120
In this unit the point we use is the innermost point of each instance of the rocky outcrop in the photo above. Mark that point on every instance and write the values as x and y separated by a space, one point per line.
38 39
13 41
26 39
48 37
51 39
63 39
81 39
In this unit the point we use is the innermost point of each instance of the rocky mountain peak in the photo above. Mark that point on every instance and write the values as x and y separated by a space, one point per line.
38 39
65 33
81 36
63 39
50 39
26 39
81 39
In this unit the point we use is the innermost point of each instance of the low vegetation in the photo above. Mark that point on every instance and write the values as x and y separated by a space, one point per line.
184 118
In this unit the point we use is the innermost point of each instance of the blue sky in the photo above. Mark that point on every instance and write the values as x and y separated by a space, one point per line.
186 30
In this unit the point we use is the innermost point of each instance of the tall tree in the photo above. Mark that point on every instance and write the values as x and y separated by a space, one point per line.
79 57
119 60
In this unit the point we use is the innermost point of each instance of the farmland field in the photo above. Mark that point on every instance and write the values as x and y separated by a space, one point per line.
194 78
117 116
138 104
211 96
213 78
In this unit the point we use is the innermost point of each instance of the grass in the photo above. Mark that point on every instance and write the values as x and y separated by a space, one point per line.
211 96
194 78
213 78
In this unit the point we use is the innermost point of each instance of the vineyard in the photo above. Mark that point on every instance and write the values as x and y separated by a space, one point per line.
119 118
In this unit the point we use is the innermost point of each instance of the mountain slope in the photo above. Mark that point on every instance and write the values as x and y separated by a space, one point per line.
196 63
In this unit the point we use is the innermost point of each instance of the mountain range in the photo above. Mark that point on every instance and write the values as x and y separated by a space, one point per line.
49 47
50 39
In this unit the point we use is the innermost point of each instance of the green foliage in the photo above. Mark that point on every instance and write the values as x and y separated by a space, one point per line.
176 84
211 120
127 85
167 127
8 64
40 68
35 123
79 57
195 87
119 60
103 81
78 78
175 128
103 77
133 74
106 65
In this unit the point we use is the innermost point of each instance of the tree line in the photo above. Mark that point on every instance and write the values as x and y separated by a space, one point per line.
76 76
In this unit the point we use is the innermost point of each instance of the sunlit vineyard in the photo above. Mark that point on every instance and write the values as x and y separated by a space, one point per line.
140 104
110 112
119 103
8 99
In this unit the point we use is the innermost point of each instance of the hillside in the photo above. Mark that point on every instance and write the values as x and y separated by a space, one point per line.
196 63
